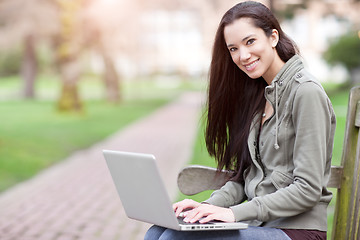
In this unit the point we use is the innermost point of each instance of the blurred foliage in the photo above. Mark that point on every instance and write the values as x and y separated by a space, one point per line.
45 58
289 11
10 62
345 51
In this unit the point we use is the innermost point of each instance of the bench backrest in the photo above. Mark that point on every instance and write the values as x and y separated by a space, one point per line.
347 176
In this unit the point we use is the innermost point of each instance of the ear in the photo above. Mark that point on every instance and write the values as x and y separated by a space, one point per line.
274 38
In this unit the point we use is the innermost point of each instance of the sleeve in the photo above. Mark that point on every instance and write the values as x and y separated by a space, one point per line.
232 193
312 123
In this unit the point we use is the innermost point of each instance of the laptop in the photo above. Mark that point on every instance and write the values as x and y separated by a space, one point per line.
144 196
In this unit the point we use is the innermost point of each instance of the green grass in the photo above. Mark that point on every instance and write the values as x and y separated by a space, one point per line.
34 135
92 87
339 99
200 157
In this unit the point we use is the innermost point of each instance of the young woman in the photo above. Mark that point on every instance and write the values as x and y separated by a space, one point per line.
271 123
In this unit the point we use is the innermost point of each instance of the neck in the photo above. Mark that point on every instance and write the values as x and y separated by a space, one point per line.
274 69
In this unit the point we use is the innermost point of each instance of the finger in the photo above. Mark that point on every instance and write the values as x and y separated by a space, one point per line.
180 204
225 215
202 212
176 205
189 215
178 211
196 215
207 219
180 207
185 202
184 205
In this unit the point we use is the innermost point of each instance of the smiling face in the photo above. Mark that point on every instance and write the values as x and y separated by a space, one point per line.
252 51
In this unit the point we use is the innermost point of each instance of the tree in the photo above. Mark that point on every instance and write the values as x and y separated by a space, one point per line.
25 22
29 66
111 78
346 51
67 50
110 29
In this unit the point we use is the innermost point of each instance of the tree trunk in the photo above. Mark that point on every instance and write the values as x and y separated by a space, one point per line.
69 99
68 50
29 67
111 79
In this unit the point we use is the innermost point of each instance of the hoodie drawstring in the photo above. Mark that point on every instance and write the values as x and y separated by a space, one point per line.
276 145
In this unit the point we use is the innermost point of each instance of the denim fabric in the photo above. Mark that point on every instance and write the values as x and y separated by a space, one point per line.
251 233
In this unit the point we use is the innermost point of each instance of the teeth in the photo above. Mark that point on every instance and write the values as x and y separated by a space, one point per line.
251 65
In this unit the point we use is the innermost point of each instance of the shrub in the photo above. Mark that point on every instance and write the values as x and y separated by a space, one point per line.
345 51
10 62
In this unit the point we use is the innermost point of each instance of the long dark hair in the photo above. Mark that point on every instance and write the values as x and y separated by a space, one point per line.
234 99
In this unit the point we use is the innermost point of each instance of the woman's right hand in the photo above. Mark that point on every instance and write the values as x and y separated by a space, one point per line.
184 205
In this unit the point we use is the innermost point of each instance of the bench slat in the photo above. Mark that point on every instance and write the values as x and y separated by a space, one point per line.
196 179
357 115
335 177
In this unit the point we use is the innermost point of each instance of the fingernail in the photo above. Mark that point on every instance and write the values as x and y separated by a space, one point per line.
186 220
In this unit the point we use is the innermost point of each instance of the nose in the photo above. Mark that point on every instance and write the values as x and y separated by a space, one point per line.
244 54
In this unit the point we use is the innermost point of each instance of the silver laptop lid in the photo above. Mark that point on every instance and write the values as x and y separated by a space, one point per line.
135 176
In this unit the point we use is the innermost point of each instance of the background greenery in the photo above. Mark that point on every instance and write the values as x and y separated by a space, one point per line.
343 51
34 135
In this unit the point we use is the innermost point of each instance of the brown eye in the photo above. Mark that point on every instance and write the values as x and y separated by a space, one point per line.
250 41
233 49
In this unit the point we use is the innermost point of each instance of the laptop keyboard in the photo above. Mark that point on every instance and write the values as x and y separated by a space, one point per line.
181 221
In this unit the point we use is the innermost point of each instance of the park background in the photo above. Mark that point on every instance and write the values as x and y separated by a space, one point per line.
73 72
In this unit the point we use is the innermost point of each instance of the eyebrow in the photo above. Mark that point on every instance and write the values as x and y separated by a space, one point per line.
244 39
247 37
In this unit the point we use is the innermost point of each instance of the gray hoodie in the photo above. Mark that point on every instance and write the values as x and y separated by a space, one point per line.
285 186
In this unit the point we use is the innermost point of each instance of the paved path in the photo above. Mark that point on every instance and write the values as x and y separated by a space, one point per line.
76 199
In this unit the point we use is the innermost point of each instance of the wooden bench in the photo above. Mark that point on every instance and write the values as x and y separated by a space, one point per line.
345 178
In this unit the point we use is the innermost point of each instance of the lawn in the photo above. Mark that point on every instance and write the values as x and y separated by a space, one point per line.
339 99
34 135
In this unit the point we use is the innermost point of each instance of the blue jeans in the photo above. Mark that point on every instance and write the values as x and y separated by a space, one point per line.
251 233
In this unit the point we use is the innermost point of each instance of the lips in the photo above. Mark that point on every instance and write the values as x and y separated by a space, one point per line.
251 66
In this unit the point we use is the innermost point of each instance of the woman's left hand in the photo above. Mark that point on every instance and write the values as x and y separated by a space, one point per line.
206 213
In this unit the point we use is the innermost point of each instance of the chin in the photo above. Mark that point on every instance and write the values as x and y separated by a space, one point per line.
254 75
